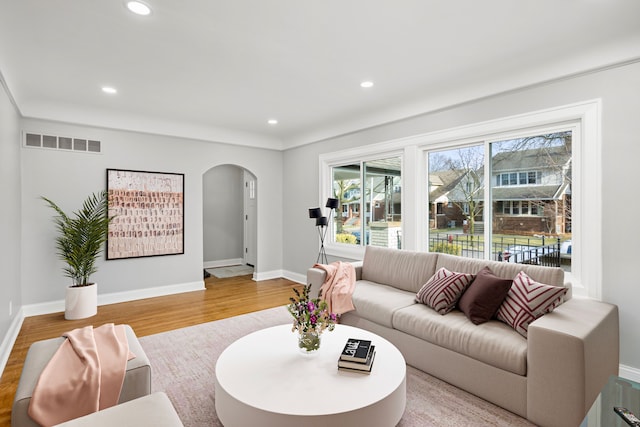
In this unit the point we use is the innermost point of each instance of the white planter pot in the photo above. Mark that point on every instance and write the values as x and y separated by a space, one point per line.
81 302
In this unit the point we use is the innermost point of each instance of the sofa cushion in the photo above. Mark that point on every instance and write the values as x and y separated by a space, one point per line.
401 269
527 300
484 296
377 303
493 342
443 290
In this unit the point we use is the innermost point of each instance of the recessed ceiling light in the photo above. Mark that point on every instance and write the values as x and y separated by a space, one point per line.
138 8
366 84
109 90
272 121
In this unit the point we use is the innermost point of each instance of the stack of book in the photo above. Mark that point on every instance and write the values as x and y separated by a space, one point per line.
357 356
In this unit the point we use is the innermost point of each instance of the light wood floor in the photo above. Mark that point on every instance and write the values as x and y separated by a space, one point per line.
222 298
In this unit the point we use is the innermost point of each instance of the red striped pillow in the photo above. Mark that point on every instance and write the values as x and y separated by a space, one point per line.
443 289
528 300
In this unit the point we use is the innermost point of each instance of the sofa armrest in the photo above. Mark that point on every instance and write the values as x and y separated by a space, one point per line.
572 351
316 277
358 266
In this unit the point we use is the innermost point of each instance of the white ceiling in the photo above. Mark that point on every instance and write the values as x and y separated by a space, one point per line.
219 69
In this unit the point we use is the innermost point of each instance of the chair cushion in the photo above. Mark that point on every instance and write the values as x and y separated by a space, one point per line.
154 410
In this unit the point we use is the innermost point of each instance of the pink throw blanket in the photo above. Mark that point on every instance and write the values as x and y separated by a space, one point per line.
339 285
83 376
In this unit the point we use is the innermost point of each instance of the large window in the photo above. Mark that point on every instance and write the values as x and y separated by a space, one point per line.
369 197
456 178
528 182
519 189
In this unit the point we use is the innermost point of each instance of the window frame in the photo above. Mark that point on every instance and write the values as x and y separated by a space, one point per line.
582 118
331 160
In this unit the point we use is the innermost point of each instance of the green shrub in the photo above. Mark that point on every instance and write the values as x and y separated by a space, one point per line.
346 238
447 248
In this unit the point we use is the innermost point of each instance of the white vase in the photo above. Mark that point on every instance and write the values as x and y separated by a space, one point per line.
81 302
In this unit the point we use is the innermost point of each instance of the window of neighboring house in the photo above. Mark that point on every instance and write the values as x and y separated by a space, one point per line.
510 189
518 178
512 208
439 208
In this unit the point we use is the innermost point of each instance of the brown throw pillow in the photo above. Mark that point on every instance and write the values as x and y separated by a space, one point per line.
484 296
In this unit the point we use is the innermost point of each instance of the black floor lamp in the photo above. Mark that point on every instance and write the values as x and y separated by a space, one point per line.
322 222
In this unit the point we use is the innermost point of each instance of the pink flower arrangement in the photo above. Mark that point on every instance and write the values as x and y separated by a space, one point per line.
310 314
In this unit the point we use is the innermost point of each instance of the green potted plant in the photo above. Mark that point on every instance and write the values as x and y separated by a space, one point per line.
80 241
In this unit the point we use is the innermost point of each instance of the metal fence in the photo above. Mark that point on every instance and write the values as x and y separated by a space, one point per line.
521 250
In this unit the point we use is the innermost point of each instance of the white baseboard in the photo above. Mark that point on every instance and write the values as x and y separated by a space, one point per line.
160 291
116 297
295 277
276 274
10 339
267 275
629 373
223 262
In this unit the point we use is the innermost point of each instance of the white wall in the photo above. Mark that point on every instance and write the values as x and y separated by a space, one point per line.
10 214
68 177
223 195
617 87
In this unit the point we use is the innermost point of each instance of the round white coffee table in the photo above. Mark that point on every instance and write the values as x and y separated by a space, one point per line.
262 379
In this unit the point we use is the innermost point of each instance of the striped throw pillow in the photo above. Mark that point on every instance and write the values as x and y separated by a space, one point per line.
443 289
528 300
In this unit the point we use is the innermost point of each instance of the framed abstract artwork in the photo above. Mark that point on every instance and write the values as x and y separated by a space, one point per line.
148 214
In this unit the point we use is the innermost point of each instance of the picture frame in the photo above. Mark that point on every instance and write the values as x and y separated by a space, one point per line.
148 214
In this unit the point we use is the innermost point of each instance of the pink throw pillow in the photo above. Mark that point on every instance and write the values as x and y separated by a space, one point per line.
528 300
443 289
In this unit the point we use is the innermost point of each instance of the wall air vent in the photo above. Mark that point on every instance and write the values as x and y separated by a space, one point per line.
83 145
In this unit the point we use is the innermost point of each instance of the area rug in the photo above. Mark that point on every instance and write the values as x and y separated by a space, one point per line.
230 271
183 363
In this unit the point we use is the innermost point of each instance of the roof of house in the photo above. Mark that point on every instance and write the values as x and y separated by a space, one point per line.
538 192
444 181
547 157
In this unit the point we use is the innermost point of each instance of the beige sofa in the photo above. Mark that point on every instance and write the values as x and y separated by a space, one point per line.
551 377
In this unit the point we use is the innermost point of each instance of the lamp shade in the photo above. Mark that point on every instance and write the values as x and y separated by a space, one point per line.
321 221
315 213
332 203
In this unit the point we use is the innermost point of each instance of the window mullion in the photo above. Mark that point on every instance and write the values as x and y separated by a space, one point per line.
487 209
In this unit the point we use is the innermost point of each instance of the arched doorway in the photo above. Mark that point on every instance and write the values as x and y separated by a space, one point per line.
229 217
